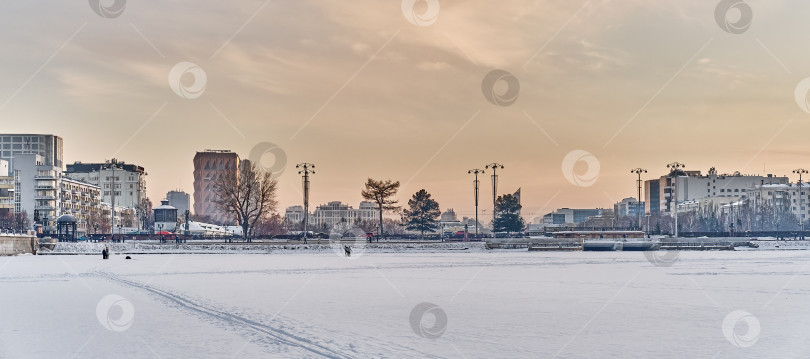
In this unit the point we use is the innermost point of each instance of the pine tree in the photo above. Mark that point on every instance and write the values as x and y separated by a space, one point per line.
423 213
507 214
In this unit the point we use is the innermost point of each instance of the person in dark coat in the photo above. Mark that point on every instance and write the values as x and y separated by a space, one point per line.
347 250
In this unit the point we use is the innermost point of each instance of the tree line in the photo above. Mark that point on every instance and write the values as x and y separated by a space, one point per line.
250 193
746 216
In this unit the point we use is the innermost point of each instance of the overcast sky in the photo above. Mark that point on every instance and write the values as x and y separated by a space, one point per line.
375 88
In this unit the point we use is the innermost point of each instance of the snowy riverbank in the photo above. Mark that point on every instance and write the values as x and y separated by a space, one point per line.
259 248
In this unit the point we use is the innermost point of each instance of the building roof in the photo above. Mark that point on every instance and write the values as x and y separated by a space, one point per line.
165 206
78 167
83 183
66 218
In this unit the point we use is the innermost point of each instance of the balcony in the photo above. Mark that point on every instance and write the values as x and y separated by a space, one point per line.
48 197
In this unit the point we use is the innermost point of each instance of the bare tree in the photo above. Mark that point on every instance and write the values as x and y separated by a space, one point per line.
270 226
394 226
147 217
381 193
98 221
14 221
365 224
129 218
689 222
21 222
627 222
249 194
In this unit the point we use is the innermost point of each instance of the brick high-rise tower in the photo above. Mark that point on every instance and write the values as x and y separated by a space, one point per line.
208 166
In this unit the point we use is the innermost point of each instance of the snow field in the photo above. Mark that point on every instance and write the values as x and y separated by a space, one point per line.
505 304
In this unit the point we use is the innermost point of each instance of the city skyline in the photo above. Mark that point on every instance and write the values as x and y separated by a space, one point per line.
464 213
372 91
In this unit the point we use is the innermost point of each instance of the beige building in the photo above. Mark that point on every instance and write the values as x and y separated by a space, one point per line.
82 200
6 189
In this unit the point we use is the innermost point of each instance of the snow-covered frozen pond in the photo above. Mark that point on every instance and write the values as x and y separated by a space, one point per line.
500 304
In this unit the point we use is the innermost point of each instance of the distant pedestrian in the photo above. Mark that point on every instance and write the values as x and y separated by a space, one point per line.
347 250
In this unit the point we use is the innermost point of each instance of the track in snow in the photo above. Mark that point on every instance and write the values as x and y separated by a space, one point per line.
280 336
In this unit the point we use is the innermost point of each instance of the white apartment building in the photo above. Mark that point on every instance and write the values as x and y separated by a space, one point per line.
127 182
36 189
294 214
49 147
693 186
41 190
788 196
335 212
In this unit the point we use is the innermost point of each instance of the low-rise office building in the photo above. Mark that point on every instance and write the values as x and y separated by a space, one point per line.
629 207
570 216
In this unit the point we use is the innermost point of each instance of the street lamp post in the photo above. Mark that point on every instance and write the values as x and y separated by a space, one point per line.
675 166
638 171
476 182
306 169
801 197
494 166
